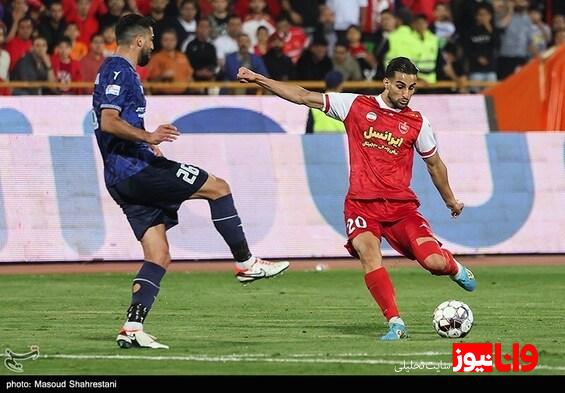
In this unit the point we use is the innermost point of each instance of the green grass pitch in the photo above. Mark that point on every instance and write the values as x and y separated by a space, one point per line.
301 323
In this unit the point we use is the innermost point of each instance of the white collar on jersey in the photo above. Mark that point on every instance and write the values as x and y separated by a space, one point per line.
383 104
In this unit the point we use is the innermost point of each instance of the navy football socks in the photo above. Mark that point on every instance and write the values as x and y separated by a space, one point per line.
228 223
145 290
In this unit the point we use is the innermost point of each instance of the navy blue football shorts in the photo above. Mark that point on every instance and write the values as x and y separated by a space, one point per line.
154 195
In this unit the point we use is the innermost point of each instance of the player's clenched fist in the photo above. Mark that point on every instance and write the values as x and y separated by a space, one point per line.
245 75
456 208
163 133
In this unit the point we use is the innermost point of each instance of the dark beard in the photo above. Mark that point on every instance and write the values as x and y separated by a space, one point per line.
143 59
519 9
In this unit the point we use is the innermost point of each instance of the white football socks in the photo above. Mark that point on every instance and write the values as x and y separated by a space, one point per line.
246 264
133 326
397 320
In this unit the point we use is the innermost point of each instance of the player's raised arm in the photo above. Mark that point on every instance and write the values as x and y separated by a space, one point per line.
290 92
112 123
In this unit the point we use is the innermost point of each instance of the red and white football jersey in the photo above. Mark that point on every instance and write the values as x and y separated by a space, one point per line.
381 144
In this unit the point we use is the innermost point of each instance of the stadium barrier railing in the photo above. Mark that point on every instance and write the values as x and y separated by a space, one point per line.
319 85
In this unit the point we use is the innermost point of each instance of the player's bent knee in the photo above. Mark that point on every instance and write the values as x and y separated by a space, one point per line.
368 249
223 187
435 264
160 258
217 189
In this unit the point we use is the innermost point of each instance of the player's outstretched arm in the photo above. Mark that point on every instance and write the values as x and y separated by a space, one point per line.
290 92
438 173
112 123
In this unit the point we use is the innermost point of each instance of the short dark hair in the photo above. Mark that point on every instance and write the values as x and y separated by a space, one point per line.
131 25
400 64
66 40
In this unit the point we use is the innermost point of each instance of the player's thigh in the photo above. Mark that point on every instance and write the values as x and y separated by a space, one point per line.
407 233
358 221
164 181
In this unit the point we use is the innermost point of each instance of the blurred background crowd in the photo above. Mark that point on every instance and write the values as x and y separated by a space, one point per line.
332 40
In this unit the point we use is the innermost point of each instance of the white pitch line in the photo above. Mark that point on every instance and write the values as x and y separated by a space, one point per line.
296 358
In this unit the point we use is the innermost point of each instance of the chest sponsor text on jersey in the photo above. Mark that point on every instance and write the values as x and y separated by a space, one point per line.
392 142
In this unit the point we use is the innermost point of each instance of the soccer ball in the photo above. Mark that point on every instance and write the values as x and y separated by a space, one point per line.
453 319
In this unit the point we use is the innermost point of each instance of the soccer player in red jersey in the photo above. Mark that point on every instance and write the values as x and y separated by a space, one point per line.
383 133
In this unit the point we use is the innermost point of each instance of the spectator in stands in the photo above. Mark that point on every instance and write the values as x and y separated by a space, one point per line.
559 38
115 9
256 17
359 52
157 12
279 65
375 8
481 47
344 63
463 12
18 46
202 54
558 23
303 13
381 46
314 64
66 69
451 68
36 10
205 8
347 13
443 26
227 43
243 58
34 66
241 8
95 10
325 27
402 42
318 122
79 50
52 26
4 58
110 44
421 7
14 13
85 20
541 35
169 65
517 40
185 23
428 48
293 37
90 63
219 18
262 45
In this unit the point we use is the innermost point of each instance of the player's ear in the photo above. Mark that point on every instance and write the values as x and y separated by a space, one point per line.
386 82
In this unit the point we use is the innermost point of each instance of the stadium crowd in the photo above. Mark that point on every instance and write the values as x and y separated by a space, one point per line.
208 40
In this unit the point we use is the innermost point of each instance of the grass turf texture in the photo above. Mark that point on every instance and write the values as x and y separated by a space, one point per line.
301 323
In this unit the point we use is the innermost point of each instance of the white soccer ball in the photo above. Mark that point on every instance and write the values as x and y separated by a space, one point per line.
453 319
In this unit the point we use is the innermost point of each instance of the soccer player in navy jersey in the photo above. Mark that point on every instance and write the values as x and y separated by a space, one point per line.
383 133
150 188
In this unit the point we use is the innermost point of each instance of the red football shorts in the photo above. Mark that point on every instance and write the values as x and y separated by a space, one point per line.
399 222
